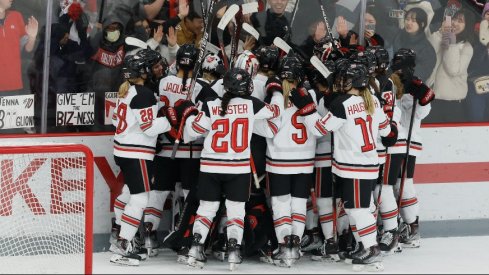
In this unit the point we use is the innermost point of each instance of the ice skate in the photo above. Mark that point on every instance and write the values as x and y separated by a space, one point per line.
311 241
196 254
348 256
295 247
409 235
219 249
369 259
138 247
150 240
114 234
283 257
234 254
389 243
123 253
182 255
328 252
267 253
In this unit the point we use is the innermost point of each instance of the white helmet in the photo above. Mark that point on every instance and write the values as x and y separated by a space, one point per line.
248 61
172 70
212 63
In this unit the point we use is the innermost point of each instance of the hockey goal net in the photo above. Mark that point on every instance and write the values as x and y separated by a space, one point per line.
46 208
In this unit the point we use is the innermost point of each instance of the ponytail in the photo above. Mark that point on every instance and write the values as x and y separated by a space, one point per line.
287 87
124 88
184 80
372 83
398 83
225 102
368 101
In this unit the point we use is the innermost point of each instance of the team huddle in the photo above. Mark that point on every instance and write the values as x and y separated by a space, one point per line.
277 155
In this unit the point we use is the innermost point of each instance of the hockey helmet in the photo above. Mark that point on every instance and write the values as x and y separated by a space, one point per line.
365 58
213 64
238 82
291 69
381 56
355 76
403 59
134 67
268 58
187 55
151 58
248 61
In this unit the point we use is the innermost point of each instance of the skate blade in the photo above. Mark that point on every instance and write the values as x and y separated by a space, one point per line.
348 261
192 262
324 259
233 266
152 252
182 259
266 259
121 260
373 267
412 244
284 263
219 255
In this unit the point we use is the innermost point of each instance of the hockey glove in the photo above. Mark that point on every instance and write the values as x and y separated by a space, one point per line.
388 110
329 97
274 84
303 101
185 109
391 138
421 92
170 114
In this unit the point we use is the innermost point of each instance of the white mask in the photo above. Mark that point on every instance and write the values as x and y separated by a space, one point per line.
113 36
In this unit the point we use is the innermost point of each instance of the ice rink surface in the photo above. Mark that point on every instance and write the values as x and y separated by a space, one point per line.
436 255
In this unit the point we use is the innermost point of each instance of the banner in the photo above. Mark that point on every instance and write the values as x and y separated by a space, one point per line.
110 102
16 111
75 109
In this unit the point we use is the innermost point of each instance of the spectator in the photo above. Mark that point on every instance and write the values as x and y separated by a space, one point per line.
16 36
413 37
274 22
349 38
454 52
484 27
190 30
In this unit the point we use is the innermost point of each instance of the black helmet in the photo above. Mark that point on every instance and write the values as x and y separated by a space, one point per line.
187 55
152 58
238 82
404 59
365 58
291 69
335 55
381 55
355 75
268 58
134 67
317 77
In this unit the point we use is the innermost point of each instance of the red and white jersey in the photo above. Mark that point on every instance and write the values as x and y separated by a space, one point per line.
323 146
170 93
355 132
406 106
227 138
137 126
292 150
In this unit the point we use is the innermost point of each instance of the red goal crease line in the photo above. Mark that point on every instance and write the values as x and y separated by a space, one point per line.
451 172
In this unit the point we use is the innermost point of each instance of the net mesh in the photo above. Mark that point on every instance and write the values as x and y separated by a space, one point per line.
42 212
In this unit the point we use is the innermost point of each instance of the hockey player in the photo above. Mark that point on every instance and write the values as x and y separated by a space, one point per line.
138 126
411 90
356 118
212 69
185 167
227 124
157 67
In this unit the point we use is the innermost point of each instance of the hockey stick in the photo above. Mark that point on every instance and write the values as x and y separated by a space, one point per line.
245 9
325 18
255 175
133 41
281 44
318 65
294 12
252 31
195 72
314 201
101 12
226 18
405 164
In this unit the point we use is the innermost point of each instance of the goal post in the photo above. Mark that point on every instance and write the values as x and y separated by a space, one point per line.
46 208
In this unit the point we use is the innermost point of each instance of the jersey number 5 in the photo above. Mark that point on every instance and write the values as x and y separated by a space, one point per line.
366 133
239 128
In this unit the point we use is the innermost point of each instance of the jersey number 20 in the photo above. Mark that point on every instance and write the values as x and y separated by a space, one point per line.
239 127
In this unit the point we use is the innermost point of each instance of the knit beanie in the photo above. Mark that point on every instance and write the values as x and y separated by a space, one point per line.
486 9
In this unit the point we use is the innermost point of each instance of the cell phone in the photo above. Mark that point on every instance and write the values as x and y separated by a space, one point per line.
448 18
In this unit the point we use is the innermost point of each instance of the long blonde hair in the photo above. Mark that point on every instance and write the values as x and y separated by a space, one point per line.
368 100
124 88
287 87
398 83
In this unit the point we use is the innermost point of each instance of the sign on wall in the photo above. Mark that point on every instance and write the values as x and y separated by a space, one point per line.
75 109
110 103
16 111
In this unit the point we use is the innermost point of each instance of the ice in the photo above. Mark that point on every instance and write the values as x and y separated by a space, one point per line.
436 255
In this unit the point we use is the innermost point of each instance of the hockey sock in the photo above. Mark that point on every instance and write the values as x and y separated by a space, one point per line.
203 221
365 226
154 210
132 215
311 217
235 224
120 203
298 210
353 226
388 207
343 220
325 209
372 207
281 207
222 223
409 202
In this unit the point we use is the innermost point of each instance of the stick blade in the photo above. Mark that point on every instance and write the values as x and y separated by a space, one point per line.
281 44
252 31
228 16
320 66
249 8
133 41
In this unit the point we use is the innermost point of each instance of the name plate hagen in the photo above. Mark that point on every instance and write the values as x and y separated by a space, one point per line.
16 111
75 109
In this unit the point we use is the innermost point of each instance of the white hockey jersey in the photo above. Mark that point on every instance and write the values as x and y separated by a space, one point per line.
406 106
227 139
171 92
292 150
355 132
323 146
258 88
137 126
